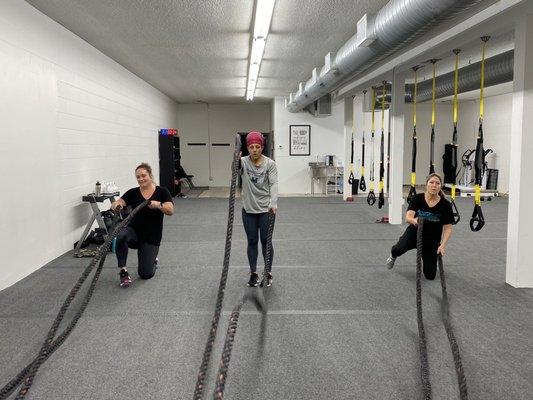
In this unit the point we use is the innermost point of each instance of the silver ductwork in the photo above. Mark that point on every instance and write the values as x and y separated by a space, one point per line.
498 69
398 23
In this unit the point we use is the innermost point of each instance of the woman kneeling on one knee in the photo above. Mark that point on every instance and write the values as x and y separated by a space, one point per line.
437 213
259 201
146 227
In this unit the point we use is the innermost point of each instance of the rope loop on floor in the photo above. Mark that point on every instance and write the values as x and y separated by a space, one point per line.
27 375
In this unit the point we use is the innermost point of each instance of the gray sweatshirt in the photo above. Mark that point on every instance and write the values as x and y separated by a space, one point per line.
259 185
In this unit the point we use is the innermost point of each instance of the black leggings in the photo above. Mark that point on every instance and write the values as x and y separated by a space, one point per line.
256 225
429 250
146 253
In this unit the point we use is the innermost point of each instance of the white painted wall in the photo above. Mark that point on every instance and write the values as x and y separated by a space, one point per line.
69 116
216 123
327 137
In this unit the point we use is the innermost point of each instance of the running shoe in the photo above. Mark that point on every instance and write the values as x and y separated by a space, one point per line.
125 279
267 281
253 280
390 261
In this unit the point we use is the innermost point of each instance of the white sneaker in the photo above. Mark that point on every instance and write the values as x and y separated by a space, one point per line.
390 261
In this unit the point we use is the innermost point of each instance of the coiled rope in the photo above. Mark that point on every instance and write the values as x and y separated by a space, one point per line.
27 375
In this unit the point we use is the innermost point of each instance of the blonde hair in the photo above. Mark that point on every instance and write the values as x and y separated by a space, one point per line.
435 175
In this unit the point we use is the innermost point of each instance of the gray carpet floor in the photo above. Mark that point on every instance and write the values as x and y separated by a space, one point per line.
339 324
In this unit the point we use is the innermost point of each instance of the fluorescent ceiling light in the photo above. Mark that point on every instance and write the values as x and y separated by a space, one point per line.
263 18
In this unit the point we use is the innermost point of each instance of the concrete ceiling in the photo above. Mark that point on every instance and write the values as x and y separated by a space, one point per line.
198 50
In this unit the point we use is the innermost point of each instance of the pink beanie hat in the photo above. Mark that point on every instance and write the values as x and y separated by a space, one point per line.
255 137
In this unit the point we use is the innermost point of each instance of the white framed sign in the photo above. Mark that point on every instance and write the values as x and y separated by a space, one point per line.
299 140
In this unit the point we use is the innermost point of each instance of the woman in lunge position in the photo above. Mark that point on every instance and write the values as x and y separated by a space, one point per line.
437 213
146 227
259 200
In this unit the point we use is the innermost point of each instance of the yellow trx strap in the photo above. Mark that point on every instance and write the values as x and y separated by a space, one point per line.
372 130
455 115
413 171
477 195
381 159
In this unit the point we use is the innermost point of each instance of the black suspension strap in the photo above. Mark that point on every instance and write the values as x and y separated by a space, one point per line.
387 179
412 190
234 317
27 375
477 221
455 210
362 183
351 178
371 198
200 383
381 198
433 115
445 311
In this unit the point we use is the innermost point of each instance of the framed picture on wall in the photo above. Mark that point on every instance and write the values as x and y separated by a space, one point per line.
299 140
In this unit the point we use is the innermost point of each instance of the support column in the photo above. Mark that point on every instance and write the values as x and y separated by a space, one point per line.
519 269
397 142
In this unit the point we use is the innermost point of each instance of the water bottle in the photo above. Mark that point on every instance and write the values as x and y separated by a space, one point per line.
98 189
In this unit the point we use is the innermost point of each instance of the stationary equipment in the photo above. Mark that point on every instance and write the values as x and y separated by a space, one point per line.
477 221
412 190
362 183
381 199
371 198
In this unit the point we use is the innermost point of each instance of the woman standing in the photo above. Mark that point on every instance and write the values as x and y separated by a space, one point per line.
437 213
259 200
145 230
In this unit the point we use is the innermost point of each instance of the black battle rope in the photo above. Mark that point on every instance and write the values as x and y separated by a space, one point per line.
371 198
422 344
445 310
362 183
351 178
433 112
50 345
412 190
478 221
234 317
200 383
381 198
456 215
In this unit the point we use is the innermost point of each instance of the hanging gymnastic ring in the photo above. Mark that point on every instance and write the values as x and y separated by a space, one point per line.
362 184
456 215
371 198
477 221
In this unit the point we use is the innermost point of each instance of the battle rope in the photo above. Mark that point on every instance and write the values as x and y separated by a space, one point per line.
456 215
381 199
351 178
477 221
432 141
50 345
362 183
200 383
234 317
412 190
371 198
445 311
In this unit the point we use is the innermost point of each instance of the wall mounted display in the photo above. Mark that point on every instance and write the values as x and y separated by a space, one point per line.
299 140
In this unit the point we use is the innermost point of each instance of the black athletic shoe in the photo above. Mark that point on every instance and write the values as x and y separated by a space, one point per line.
125 279
267 281
253 280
